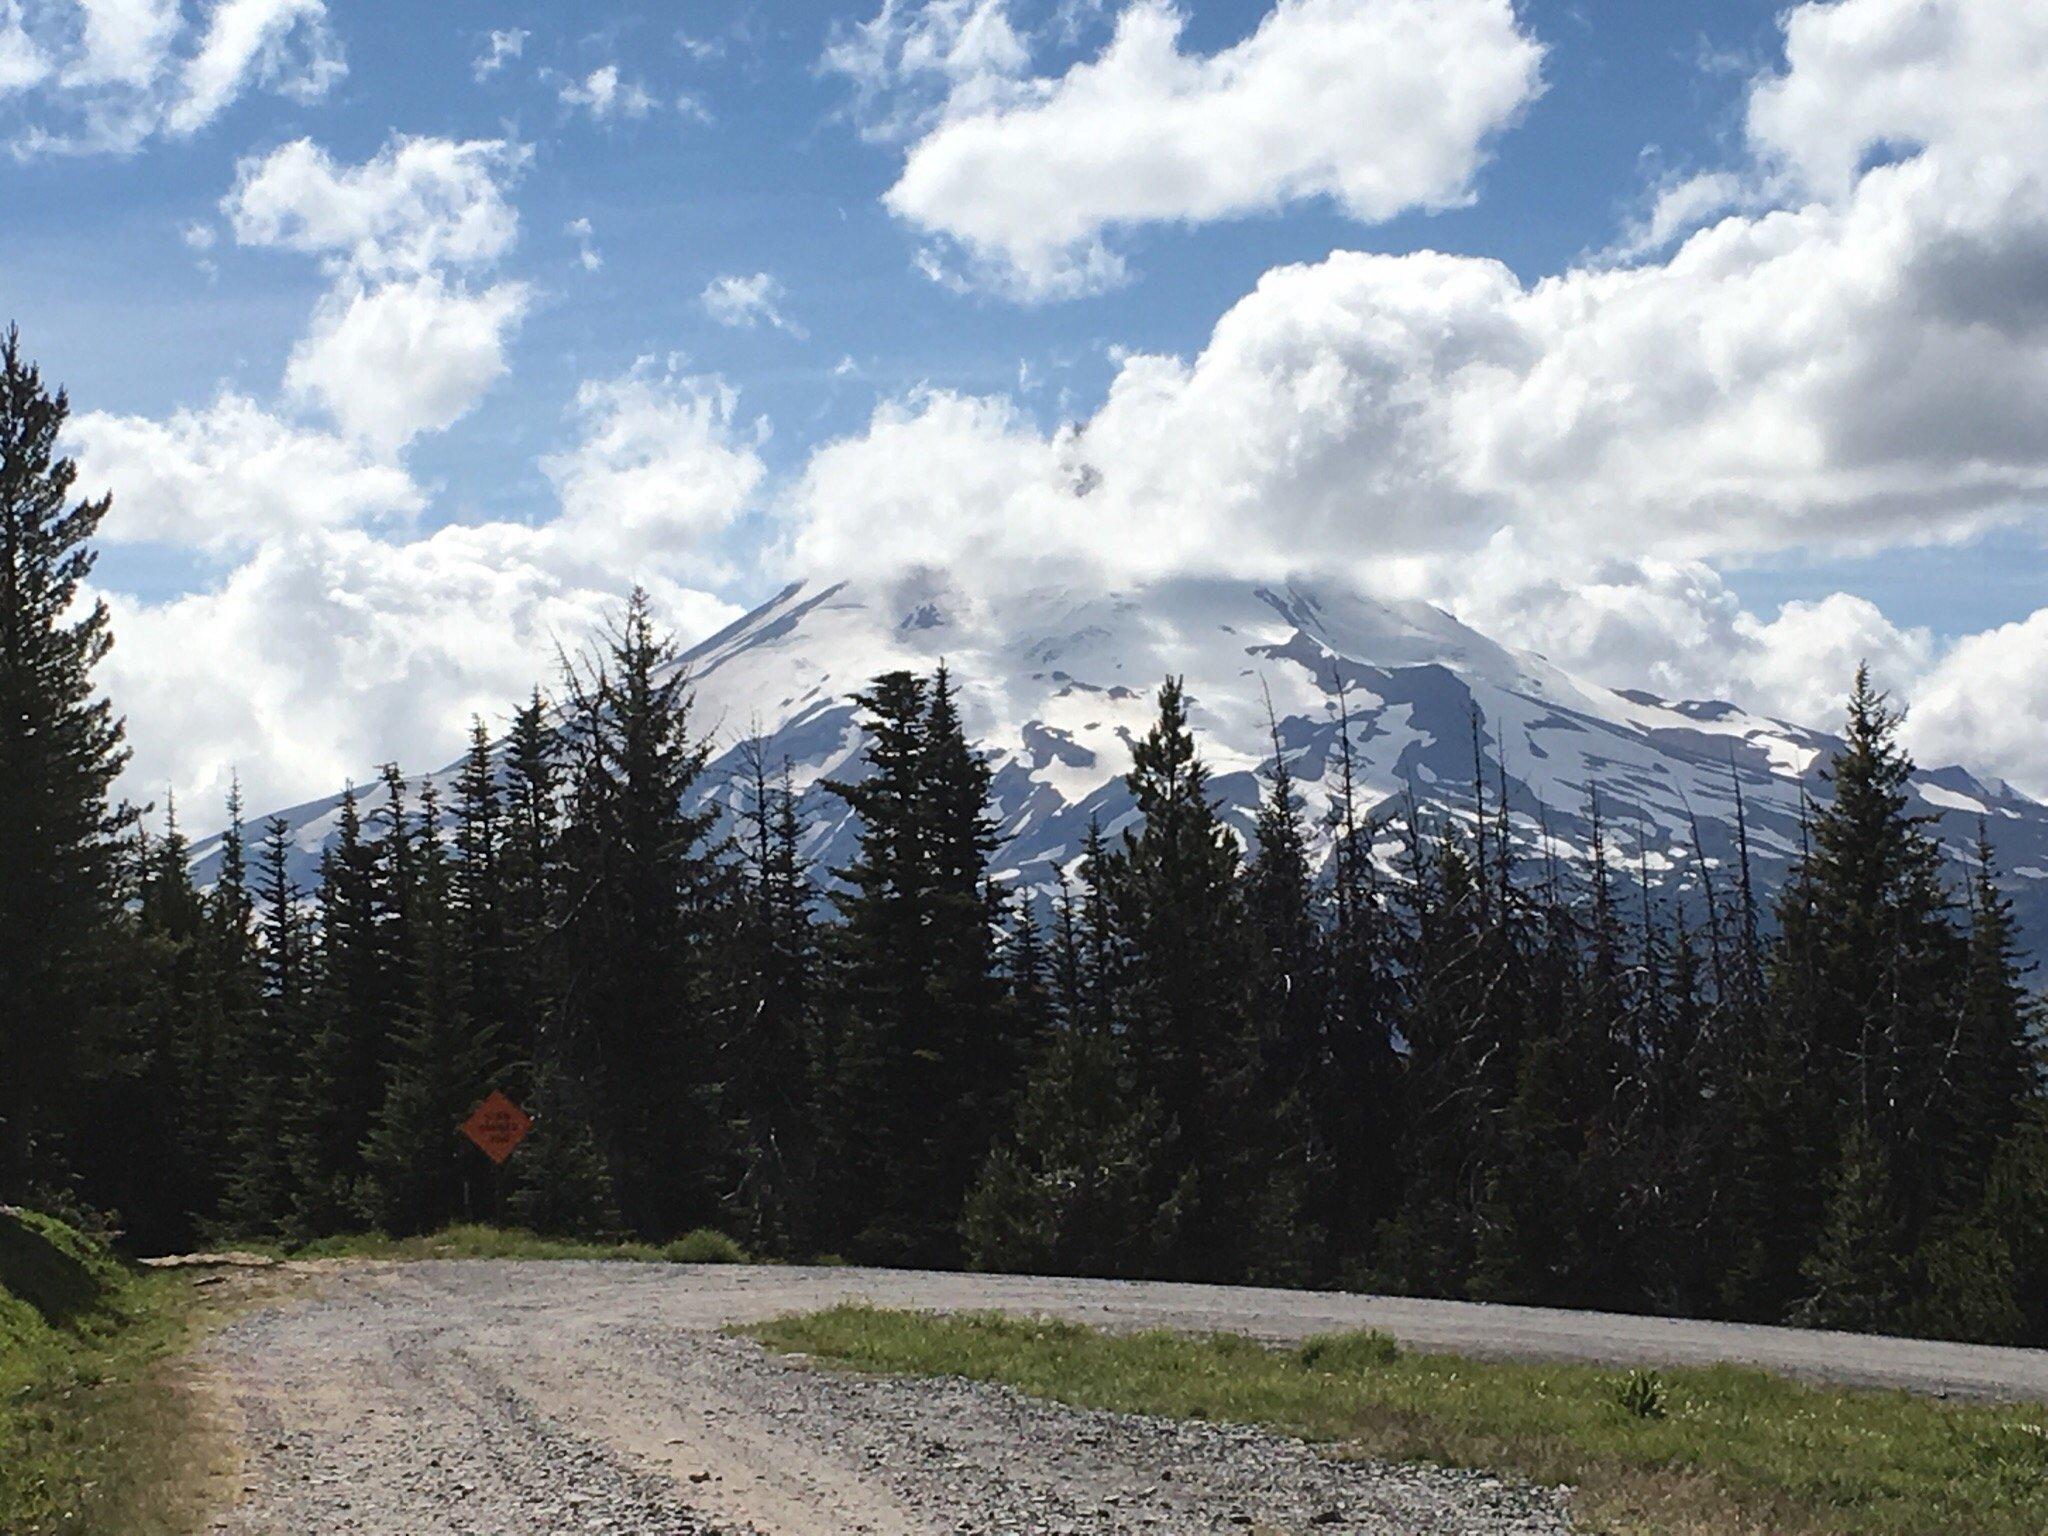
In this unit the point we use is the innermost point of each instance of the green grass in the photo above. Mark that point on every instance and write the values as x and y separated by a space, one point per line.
97 1433
1677 1453
703 1246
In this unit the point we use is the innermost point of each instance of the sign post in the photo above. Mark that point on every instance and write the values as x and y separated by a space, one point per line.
497 1126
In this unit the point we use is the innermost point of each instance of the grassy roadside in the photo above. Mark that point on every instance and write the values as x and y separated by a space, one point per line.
1725 1451
98 1433
475 1241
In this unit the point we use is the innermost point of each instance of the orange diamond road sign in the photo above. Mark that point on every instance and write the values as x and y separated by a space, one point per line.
497 1126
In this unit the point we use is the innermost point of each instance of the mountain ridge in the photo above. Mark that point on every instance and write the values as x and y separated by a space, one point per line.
1055 683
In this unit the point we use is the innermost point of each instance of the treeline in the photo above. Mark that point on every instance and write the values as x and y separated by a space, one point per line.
1440 1060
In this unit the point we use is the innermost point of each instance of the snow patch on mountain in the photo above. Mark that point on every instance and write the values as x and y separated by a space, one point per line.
1057 683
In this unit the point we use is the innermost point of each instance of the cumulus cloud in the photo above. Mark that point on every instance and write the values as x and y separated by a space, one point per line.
1673 627
660 469
109 75
349 649
1840 343
397 347
232 475
351 645
746 301
1986 703
1862 372
419 203
407 357
1380 106
1863 76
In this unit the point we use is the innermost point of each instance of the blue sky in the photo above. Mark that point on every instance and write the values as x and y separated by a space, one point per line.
777 181
717 141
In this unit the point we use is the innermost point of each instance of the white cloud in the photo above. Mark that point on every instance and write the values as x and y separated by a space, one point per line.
198 236
658 472
746 301
410 356
253 39
587 255
327 653
1969 76
123 42
332 647
915 59
22 63
231 476
1681 207
605 95
1986 703
419 203
1833 365
112 74
1859 373
1673 627
1381 106
397 347
500 49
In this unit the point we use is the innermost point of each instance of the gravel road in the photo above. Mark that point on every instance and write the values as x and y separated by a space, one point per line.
494 1398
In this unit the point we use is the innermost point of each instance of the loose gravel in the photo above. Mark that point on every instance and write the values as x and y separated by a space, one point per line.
489 1399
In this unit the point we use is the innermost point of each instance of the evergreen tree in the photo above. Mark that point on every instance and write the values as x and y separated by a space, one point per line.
1077 1186
1354 1099
1869 980
231 1012
1290 1011
562 1177
477 882
1183 1001
638 878
973 1040
422 1172
923 1057
150 1173
259 1198
61 748
771 950
359 990
1858 1268
1988 1067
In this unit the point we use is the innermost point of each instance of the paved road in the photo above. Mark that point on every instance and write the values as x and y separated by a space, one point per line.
485 1398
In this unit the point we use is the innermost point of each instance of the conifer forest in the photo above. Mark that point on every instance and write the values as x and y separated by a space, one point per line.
1409 1050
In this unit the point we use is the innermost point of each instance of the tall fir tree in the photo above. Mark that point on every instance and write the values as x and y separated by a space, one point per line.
1183 998
1870 973
259 1200
1081 1183
771 954
638 881
61 748
421 1172
352 1009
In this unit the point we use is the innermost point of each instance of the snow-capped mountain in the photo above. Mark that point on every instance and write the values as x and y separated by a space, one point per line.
1055 684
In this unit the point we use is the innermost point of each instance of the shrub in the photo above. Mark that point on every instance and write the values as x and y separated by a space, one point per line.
1359 1351
1642 1395
704 1246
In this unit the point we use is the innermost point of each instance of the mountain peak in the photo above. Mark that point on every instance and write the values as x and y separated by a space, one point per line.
1055 683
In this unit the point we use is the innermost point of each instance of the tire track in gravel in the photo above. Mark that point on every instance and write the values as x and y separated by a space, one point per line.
483 1399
